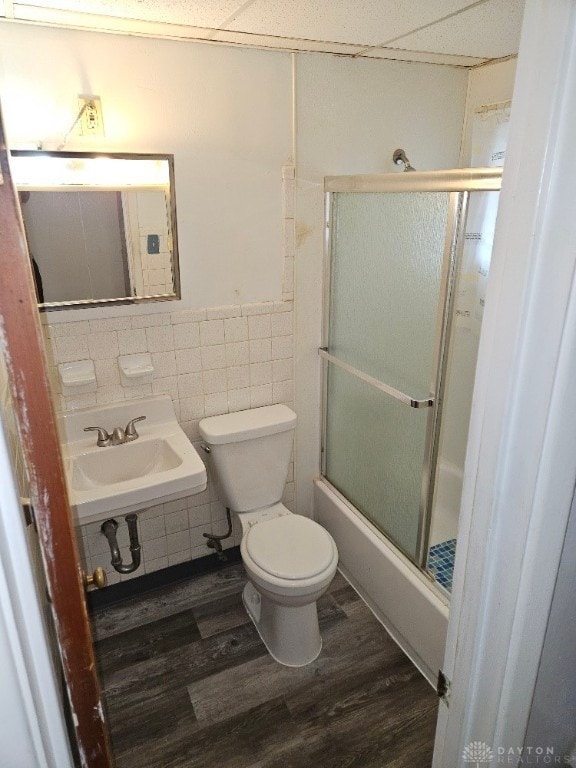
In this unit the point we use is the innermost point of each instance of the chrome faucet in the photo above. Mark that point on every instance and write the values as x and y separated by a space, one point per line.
118 436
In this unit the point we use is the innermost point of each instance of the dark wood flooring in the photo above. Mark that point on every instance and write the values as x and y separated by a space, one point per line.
189 684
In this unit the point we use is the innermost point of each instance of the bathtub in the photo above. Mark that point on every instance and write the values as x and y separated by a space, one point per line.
402 598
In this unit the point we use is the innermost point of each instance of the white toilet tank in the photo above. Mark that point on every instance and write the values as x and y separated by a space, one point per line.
250 453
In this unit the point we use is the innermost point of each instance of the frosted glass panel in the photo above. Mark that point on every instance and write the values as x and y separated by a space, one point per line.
374 455
386 272
387 251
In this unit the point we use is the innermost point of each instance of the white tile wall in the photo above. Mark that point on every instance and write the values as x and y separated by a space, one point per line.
210 361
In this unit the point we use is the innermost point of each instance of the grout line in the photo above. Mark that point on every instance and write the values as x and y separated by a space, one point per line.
294 108
465 124
240 10
425 26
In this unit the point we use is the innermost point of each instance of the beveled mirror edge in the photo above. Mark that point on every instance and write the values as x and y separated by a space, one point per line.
176 295
174 223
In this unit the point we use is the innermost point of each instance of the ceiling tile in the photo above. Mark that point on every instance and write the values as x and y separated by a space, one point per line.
476 30
117 24
198 13
489 31
359 22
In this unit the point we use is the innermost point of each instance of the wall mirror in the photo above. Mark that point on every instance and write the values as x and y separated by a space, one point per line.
101 228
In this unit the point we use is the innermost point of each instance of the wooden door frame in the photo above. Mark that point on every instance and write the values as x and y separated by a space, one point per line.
22 342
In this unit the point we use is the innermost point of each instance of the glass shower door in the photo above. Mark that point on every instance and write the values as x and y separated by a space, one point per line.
391 259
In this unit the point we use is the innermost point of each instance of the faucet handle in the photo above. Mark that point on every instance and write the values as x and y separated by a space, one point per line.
103 437
130 430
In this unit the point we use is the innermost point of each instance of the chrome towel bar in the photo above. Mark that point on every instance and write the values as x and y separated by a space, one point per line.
395 393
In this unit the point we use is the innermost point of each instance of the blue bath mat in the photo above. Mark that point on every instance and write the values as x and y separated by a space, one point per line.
441 562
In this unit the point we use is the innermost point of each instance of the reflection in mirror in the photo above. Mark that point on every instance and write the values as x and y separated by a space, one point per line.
100 229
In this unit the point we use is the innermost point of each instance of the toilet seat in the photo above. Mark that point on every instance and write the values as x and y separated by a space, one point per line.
290 547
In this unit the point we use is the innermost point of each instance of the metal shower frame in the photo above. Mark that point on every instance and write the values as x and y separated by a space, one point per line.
459 183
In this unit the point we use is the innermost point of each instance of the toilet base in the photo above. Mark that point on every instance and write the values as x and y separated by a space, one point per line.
290 633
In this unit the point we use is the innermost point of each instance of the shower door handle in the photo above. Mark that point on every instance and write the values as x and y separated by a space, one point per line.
413 402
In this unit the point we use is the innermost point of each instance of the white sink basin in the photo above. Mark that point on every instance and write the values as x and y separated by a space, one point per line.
161 465
129 462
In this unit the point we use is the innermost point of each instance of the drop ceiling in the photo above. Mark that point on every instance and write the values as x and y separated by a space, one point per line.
456 32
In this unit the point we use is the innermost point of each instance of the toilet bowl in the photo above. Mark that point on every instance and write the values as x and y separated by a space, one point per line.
289 559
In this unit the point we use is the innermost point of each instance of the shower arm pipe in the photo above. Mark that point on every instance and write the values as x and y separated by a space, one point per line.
395 393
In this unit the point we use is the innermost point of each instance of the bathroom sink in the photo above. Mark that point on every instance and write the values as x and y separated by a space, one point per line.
129 462
160 465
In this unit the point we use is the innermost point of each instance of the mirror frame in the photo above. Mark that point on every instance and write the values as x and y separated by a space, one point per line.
124 300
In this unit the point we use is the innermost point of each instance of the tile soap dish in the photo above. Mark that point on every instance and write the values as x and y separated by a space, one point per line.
135 369
77 377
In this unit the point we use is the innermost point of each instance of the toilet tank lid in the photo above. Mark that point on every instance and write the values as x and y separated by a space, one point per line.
245 425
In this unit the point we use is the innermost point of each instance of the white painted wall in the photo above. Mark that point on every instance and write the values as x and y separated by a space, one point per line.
225 114
351 116
487 85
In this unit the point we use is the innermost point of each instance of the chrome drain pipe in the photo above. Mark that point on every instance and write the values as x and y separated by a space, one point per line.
109 528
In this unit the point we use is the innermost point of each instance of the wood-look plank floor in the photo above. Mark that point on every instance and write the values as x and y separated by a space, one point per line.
189 684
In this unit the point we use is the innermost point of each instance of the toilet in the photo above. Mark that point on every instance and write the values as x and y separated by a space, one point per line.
289 559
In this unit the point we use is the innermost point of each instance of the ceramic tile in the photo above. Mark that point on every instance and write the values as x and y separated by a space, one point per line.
103 346
160 338
213 357
110 324
132 342
236 329
188 360
215 404
262 308
261 396
164 364
260 350
70 348
186 335
259 327
282 324
238 377
212 332
282 370
237 353
188 316
260 373
214 381
215 313
282 392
